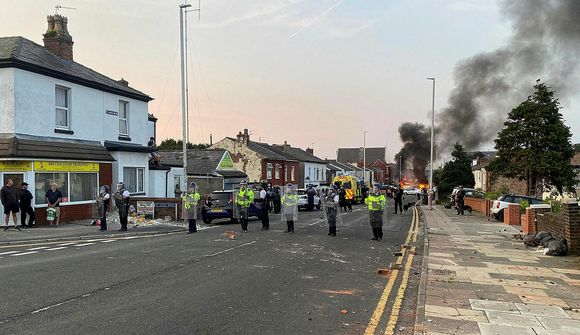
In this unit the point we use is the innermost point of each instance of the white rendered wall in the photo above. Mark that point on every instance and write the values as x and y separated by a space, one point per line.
7 100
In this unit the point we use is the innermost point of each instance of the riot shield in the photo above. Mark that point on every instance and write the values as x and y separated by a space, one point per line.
332 215
289 203
190 201
240 211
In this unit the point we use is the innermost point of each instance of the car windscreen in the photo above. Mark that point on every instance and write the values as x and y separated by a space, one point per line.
346 185
220 198
301 192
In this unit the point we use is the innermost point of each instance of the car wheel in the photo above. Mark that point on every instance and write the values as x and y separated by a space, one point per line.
206 220
500 215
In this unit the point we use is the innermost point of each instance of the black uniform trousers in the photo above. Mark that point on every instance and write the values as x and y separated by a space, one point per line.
24 211
124 221
192 226
399 204
290 225
265 218
460 206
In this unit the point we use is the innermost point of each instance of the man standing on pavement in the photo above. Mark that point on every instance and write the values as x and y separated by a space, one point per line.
103 201
190 202
26 206
289 207
310 193
244 199
53 198
399 199
331 209
9 197
459 200
376 203
122 203
276 199
265 197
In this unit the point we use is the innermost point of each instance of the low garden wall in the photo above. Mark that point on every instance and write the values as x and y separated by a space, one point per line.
565 224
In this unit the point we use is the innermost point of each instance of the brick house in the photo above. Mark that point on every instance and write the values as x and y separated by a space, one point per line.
260 161
375 158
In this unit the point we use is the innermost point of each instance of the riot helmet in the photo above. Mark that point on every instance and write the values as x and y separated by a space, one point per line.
192 187
120 186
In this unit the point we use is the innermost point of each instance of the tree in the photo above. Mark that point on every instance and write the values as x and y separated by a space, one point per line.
173 145
535 145
457 171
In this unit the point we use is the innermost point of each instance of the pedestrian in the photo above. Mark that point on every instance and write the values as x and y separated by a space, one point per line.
53 199
244 199
103 203
276 199
310 193
26 207
265 210
342 199
399 194
177 191
460 200
190 203
9 197
122 203
289 207
376 203
331 201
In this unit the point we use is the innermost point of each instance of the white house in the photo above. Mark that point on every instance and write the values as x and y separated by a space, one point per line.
63 122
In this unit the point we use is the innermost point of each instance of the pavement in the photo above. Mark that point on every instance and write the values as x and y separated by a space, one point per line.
207 283
481 279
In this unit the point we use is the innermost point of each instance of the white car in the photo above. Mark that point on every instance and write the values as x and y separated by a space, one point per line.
303 200
502 202
411 191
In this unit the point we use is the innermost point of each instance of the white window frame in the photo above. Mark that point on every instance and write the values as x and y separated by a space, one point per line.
277 171
269 168
126 118
68 190
292 170
137 169
67 108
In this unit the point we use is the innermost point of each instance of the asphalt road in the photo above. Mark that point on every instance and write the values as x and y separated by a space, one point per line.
204 283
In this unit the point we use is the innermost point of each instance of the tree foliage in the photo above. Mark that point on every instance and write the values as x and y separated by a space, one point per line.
457 171
535 145
173 145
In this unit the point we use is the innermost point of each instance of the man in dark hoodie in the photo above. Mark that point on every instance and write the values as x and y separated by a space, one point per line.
9 197
26 206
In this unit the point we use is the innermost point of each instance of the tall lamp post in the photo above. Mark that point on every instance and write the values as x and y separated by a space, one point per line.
432 143
364 156
400 169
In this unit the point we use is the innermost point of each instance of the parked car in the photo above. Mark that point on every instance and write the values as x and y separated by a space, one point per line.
469 193
220 205
411 191
303 200
499 205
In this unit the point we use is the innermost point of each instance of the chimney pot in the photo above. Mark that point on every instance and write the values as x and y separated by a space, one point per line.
123 82
310 151
57 39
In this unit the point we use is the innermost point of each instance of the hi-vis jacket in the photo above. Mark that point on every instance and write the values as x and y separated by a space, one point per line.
191 199
375 202
244 198
290 200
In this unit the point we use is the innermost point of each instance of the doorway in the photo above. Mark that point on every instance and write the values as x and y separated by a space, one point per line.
17 178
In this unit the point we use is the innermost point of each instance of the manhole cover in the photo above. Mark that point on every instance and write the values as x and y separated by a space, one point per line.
442 272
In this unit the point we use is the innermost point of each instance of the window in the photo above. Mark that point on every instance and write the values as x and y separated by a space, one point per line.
286 173
278 171
62 110
177 181
133 179
123 118
83 186
42 184
317 174
292 173
269 171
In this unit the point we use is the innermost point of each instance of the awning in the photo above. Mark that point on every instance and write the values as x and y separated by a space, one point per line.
33 149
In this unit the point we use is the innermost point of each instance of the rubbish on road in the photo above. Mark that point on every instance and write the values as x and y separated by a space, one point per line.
397 253
557 247
406 246
384 272
394 266
230 234
344 311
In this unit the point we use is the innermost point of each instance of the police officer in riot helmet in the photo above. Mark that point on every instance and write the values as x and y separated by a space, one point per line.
190 201
122 203
103 201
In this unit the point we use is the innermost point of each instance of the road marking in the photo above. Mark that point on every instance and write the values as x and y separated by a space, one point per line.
230 249
130 237
25 253
58 248
83 245
65 244
37 248
380 309
315 222
107 241
9 252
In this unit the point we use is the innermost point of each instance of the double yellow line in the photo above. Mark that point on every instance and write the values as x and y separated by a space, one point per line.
406 269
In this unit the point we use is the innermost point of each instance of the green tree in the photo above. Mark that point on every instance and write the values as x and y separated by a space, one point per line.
535 144
457 171
173 145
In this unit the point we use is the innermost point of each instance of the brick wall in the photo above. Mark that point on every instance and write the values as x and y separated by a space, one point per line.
479 205
529 221
512 215
67 213
563 225
514 185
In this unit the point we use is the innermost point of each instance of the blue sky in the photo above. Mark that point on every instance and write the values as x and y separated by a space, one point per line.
311 72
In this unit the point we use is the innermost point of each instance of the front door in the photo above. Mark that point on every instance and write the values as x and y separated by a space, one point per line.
17 178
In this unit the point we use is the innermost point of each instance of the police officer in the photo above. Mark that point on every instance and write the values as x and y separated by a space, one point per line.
376 204
103 201
399 199
190 202
244 199
122 203
331 201
265 197
289 207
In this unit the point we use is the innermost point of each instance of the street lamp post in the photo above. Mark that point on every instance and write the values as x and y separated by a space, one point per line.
184 114
364 157
432 144
400 169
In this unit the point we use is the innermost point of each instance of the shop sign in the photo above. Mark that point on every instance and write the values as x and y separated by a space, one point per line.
66 166
226 163
15 166
146 208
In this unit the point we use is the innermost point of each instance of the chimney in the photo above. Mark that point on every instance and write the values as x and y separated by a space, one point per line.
310 151
57 39
243 138
123 82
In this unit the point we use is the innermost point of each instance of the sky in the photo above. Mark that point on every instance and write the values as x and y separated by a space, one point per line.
314 73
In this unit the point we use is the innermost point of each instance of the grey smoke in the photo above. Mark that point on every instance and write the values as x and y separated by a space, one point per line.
544 44
416 149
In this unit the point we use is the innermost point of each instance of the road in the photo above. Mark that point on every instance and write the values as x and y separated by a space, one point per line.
204 283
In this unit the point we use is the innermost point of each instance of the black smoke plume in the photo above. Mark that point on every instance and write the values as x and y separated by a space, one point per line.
544 44
416 149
